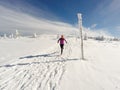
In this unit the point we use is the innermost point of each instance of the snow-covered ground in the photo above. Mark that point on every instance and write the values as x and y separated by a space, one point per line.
33 64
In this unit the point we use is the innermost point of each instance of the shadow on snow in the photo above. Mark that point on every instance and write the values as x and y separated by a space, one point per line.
43 55
54 61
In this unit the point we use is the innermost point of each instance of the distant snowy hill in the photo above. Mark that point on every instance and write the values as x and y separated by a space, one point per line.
28 63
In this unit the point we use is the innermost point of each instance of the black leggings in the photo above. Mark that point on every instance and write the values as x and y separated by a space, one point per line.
62 47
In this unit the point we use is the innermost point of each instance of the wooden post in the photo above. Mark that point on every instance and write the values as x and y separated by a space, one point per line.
80 27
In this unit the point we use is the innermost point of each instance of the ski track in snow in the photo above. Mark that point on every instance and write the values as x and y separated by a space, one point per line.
44 72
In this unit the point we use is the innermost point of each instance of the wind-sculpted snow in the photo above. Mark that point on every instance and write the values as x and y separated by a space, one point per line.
34 72
41 68
43 72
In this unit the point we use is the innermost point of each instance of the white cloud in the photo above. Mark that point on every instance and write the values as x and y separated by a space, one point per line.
118 28
107 15
109 8
11 20
114 6
96 32
94 25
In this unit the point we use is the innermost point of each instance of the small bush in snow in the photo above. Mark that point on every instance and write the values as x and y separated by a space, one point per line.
34 35
85 37
11 36
100 38
5 36
116 39
17 34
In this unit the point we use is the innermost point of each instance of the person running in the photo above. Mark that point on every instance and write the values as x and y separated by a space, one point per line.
61 41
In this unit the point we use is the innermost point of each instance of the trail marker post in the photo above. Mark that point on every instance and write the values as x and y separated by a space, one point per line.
81 36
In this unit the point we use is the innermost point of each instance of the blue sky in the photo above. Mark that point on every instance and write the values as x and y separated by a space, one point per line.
97 14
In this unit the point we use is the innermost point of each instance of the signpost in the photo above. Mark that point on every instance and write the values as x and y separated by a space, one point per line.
81 36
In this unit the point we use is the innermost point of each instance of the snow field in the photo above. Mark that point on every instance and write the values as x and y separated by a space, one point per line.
38 66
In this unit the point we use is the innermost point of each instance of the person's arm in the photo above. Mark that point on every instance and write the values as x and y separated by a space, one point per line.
58 40
65 41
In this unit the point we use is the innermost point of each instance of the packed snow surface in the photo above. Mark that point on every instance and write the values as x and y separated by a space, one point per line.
35 64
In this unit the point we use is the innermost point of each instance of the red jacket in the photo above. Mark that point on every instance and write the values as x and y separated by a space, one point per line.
62 40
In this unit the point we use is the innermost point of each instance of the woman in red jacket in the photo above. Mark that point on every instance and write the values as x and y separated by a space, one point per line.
61 41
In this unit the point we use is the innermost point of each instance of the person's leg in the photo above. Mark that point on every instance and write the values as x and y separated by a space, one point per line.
61 51
61 45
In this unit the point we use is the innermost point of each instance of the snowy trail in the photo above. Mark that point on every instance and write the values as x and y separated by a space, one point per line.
44 72
48 71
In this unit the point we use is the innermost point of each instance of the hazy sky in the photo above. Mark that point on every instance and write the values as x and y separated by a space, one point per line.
34 15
